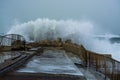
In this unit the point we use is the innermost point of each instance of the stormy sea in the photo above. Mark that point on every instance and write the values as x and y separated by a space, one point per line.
80 32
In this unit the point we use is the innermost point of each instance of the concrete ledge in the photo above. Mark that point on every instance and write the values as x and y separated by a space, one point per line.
40 76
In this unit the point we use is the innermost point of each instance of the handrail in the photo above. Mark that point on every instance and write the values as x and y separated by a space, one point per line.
99 62
14 36
12 41
106 65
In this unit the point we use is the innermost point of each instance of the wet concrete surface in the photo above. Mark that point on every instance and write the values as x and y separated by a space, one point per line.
53 62
7 55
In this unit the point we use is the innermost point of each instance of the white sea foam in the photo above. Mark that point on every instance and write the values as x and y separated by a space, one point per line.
80 32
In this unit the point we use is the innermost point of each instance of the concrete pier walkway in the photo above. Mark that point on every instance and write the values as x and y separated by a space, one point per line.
53 62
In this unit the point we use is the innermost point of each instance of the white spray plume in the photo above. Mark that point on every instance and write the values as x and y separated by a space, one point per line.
80 32
41 29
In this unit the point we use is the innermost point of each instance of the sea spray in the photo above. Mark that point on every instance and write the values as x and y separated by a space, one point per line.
80 32
41 29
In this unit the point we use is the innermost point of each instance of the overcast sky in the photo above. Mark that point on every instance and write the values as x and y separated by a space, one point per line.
104 13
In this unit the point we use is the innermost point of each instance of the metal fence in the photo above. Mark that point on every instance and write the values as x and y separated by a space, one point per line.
103 64
12 41
108 67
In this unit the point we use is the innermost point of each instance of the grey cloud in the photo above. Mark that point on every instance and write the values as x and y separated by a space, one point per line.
105 13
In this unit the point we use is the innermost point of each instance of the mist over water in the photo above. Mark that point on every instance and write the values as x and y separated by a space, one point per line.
80 32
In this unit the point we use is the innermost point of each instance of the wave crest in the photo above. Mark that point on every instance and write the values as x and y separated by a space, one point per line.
41 29
79 32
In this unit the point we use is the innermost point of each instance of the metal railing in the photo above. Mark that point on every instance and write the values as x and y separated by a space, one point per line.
103 64
108 67
12 41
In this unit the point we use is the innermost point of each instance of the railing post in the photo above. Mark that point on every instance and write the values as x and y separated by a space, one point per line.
24 42
87 60
105 68
96 60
